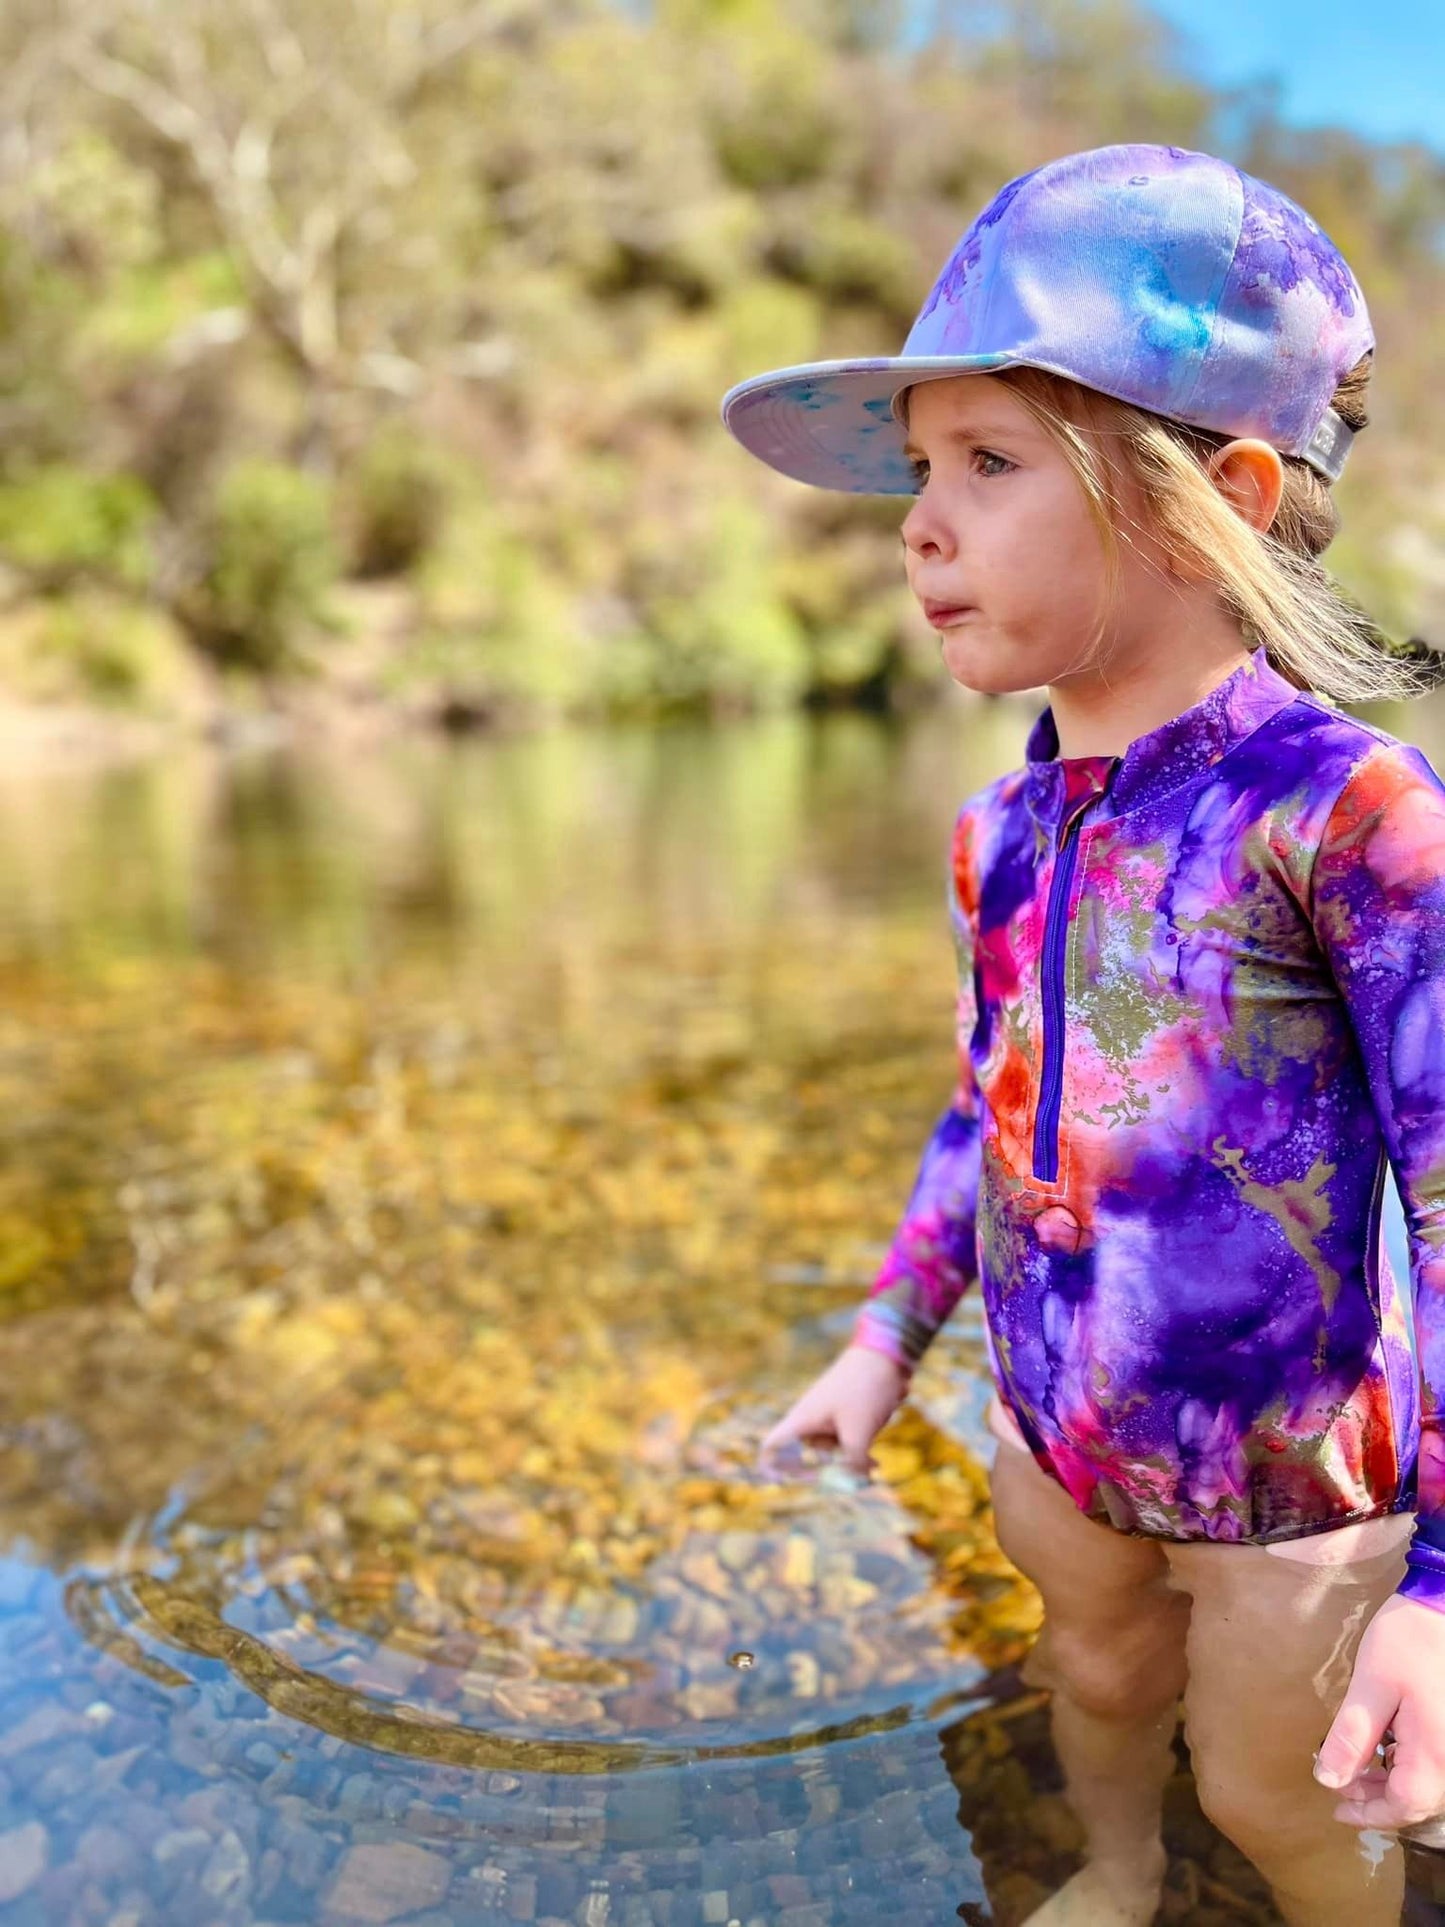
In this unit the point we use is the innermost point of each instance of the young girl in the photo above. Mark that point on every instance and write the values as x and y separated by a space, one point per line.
1201 1006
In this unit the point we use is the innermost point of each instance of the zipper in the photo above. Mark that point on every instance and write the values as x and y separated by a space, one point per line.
1376 1225
1046 1119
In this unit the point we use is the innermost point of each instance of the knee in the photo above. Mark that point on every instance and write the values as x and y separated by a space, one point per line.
1225 1803
1252 1811
1119 1678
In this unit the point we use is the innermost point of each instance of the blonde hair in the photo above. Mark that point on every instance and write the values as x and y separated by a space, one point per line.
1273 583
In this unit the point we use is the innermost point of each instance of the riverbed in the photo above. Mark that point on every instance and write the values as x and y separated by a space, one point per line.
427 1172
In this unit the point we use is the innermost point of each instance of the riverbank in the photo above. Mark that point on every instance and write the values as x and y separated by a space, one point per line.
359 690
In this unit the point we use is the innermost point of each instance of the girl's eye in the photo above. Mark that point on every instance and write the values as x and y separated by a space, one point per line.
983 455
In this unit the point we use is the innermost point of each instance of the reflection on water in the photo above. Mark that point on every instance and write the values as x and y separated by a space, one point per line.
425 1177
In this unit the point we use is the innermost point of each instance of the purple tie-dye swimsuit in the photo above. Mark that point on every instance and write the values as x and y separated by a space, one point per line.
1201 999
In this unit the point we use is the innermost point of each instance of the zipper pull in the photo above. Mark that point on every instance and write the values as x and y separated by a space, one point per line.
1085 802
1069 821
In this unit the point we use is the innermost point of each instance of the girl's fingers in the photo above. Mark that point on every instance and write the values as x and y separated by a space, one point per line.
1355 1732
1416 1781
1403 1795
853 1441
790 1426
1386 1815
779 1435
795 1426
1365 1786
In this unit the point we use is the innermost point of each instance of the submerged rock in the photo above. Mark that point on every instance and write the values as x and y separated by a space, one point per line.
379 1882
24 1852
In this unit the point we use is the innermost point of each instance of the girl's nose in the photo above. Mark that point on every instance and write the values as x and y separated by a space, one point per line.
924 532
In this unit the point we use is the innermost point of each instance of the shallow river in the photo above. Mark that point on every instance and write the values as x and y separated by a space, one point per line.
426 1172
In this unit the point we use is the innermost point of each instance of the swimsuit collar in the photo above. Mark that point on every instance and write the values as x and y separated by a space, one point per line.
1162 758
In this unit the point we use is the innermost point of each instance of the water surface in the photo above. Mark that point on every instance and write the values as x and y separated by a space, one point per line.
426 1173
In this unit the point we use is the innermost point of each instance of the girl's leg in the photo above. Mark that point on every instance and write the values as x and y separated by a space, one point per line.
1272 1643
1112 1651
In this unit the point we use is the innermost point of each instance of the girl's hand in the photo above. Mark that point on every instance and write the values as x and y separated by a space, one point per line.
1399 1682
844 1406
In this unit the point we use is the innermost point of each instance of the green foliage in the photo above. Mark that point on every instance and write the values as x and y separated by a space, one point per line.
774 124
152 303
1381 563
848 256
273 560
60 525
851 604
766 323
714 628
43 399
114 652
98 645
412 253
499 635
397 493
105 205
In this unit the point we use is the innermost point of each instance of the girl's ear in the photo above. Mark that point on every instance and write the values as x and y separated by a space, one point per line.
1250 475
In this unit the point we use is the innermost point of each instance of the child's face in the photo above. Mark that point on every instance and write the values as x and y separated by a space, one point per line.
1002 525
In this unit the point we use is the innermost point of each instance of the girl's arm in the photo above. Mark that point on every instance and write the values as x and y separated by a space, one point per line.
1378 907
932 1261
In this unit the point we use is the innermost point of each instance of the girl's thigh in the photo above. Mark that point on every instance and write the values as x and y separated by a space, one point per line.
1272 1642
1114 1627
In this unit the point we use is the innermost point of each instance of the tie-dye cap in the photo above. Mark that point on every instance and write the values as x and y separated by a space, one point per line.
1167 278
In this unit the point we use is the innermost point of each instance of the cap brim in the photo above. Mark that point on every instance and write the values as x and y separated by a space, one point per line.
831 423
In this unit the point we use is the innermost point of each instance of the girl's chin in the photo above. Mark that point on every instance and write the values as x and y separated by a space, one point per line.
973 665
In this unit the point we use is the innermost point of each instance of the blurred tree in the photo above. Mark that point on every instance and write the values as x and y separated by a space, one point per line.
272 563
481 273
300 129
60 525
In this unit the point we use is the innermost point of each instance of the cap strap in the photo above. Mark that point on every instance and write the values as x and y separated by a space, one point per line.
1329 445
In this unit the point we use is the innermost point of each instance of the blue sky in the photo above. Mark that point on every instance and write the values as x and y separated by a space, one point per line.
1374 66
1378 69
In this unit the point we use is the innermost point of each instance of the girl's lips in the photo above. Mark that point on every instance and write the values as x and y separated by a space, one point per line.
944 618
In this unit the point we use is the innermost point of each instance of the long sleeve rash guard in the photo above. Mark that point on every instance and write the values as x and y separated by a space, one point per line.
1201 1001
